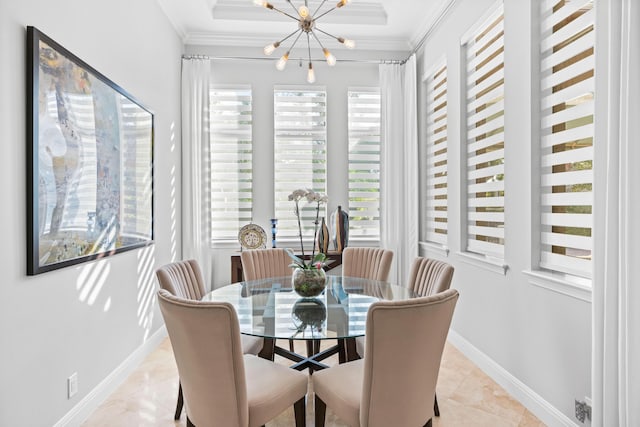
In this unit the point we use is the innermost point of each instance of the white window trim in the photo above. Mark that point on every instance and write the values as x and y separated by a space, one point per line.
487 263
426 247
565 284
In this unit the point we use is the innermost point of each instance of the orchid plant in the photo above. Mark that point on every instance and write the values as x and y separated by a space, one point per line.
317 261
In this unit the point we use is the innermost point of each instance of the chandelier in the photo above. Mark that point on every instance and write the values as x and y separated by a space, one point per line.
307 24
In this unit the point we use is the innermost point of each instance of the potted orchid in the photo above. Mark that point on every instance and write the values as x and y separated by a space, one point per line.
308 278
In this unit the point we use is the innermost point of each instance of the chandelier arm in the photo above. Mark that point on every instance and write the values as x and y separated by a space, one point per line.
328 11
285 13
317 39
296 40
284 39
294 8
309 48
324 32
319 7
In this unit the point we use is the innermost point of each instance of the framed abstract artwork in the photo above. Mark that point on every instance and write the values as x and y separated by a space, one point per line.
89 161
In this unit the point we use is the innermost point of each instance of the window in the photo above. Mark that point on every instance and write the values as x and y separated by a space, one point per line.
300 154
364 163
231 160
485 137
435 157
567 85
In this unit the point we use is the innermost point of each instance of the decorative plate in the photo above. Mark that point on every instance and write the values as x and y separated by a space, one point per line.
252 236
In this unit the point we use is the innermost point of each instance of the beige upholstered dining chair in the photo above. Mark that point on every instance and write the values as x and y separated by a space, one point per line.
427 277
223 387
367 263
184 279
263 263
405 341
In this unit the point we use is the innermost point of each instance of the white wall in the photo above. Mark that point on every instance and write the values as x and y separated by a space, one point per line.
533 339
87 318
263 76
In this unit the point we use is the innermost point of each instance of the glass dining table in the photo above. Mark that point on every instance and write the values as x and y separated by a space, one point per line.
271 309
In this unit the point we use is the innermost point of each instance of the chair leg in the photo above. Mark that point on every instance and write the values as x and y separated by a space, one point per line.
321 409
180 403
429 423
189 423
299 410
291 346
436 410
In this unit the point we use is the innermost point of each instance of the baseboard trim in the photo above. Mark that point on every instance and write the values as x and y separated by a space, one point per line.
99 394
531 400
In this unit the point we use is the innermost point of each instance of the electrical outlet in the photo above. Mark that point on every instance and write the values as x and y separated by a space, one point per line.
72 385
583 411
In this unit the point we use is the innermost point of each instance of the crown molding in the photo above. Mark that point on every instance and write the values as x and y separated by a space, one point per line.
228 39
430 24
366 13
182 32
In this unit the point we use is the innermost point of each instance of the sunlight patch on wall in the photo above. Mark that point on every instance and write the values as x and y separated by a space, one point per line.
91 280
146 288
174 216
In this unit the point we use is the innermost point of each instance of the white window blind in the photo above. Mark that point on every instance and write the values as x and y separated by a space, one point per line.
231 160
137 159
435 157
485 137
364 163
300 154
567 85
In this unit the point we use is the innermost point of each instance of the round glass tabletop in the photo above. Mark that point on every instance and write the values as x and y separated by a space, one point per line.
270 308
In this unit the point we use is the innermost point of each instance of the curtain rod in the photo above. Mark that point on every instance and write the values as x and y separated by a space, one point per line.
260 58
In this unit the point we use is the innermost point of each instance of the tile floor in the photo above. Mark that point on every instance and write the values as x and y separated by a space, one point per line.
467 397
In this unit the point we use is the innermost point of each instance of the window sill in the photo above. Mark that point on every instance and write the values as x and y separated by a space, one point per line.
491 264
575 287
224 244
294 243
426 247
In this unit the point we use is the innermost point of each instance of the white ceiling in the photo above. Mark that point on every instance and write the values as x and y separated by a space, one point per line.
373 24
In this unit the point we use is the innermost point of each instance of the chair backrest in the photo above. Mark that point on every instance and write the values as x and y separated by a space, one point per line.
205 337
182 278
368 263
429 276
263 263
405 341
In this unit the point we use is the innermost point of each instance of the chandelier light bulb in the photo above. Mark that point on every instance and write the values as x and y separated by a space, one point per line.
303 11
311 75
262 3
331 60
350 44
343 3
268 50
282 62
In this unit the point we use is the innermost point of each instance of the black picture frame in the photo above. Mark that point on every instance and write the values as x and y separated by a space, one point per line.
89 161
